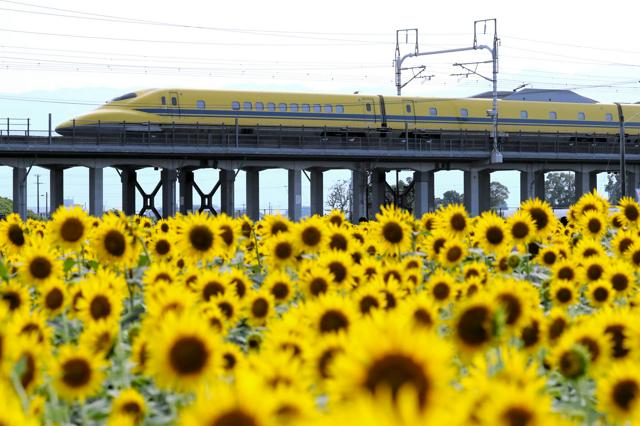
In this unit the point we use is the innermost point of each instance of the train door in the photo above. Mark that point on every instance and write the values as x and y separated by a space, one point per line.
409 112
369 110
174 103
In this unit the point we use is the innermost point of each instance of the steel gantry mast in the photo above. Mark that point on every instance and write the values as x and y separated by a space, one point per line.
496 155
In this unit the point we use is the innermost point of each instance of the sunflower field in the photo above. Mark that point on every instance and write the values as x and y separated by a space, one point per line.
210 320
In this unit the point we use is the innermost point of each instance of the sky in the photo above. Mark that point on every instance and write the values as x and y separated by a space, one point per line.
69 56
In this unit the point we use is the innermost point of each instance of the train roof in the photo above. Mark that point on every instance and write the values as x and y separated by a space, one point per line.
540 95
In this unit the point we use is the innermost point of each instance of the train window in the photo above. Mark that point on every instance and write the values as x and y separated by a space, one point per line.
247 106
464 112
340 108
368 107
163 100
293 107
271 106
235 105
306 108
124 97
408 107
581 116
608 116
433 111
317 108
259 106
174 101
282 107
201 104
524 114
553 115
328 108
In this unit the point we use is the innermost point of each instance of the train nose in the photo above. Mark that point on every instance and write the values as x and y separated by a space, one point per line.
65 128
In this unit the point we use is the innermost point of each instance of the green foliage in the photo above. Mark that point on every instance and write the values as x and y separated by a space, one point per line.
560 189
498 194
613 187
450 197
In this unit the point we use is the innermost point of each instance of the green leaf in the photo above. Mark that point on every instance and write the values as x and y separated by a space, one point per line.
144 260
4 274
68 264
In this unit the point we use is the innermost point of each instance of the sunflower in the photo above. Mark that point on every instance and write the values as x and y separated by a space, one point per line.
15 296
198 237
441 287
391 231
452 253
600 293
453 220
571 359
168 299
594 268
228 304
393 270
421 311
473 326
593 224
53 298
12 235
531 331
521 227
618 326
368 298
339 266
618 393
563 293
331 314
316 282
556 324
158 273
566 270
100 336
515 299
40 267
232 358
630 211
281 250
113 243
24 323
27 350
620 275
77 374
182 353
491 233
129 403
428 221
12 411
547 256
588 247
162 246
239 281
510 405
384 362
272 225
433 244
368 269
622 241
69 227
259 307
280 285
98 303
211 283
542 215
338 238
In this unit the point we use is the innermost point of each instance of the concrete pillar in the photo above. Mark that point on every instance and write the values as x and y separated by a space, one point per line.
477 185
295 194
20 191
317 192
96 191
531 185
585 182
227 192
253 193
168 178
128 178
56 188
186 190
378 190
424 193
359 190
633 181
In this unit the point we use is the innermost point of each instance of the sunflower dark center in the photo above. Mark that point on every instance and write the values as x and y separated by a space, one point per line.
163 276
333 320
620 282
259 308
338 242
494 235
392 232
72 230
76 372
438 244
241 287
422 317
226 308
624 244
517 416
226 234
188 355
590 252
278 227
631 212
367 303
564 295
280 291
100 307
311 236
617 338
454 254
283 250
338 270
473 327
16 235
512 307
594 225
246 229
458 222
519 230
557 328
441 291
594 272
624 393
393 371
29 371
324 362
132 408
115 243
54 298
540 217
40 267
336 220
392 274
549 258
591 346
201 237
163 247
164 227
212 289
318 286
234 417
13 299
229 361
390 298
601 294
572 364
531 334
566 273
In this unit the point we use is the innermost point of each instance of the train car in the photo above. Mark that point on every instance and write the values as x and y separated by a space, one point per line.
155 110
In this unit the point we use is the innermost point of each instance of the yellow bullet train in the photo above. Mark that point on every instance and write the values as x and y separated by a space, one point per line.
155 110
